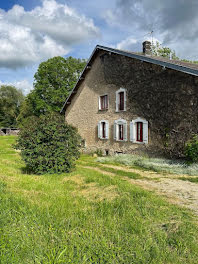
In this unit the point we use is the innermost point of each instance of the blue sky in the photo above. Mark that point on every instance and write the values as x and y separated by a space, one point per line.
34 31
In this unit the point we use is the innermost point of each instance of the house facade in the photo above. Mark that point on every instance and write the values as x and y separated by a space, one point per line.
131 103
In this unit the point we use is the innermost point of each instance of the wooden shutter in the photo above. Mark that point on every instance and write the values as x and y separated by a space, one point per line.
107 129
115 131
125 131
117 101
132 132
99 130
145 132
125 100
107 101
99 103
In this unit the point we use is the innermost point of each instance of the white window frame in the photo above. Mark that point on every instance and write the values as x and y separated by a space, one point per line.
117 99
133 131
99 102
100 134
116 129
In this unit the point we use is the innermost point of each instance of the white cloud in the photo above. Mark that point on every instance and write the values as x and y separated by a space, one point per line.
175 23
133 44
49 30
23 85
127 44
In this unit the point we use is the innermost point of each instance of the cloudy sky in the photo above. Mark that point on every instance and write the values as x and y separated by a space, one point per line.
31 31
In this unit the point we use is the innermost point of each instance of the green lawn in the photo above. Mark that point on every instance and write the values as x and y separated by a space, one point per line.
87 216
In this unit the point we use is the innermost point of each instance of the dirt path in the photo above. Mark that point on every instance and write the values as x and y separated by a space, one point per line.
183 193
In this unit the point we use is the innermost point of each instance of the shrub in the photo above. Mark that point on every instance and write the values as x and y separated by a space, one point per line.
191 150
48 144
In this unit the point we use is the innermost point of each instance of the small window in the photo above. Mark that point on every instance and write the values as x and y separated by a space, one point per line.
121 100
103 102
103 129
82 143
139 136
139 131
120 130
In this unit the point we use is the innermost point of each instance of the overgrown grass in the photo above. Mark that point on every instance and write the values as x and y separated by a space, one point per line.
155 164
87 217
191 179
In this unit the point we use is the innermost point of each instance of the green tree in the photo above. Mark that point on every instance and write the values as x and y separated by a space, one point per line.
159 50
10 103
53 82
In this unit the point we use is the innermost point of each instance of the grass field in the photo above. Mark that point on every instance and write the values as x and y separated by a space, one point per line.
91 215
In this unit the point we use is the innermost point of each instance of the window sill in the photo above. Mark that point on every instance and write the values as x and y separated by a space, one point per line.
118 111
138 142
103 109
119 140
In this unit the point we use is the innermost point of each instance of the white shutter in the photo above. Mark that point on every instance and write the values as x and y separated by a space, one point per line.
99 130
145 132
125 131
115 131
107 130
132 139
124 100
99 103
117 101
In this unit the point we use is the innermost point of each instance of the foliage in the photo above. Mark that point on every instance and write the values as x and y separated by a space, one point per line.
191 150
99 152
53 82
48 145
49 219
10 103
159 50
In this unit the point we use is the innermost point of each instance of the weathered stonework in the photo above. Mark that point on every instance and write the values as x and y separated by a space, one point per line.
166 98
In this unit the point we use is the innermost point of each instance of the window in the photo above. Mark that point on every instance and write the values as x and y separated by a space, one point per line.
103 129
139 131
103 102
139 134
121 100
120 130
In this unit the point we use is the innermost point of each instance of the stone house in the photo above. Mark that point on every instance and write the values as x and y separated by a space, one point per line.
127 102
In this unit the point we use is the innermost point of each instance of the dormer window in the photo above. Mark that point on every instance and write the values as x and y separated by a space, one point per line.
121 100
103 102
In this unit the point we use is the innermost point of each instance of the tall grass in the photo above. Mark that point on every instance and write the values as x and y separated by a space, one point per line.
155 164
87 217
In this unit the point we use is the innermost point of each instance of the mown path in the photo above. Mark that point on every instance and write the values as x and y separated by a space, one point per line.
177 191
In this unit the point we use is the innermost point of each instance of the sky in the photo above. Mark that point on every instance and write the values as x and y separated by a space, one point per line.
32 31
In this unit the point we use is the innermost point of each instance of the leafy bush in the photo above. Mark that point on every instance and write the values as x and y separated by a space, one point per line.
48 144
191 150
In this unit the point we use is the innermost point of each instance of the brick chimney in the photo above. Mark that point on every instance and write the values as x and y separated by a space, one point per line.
147 48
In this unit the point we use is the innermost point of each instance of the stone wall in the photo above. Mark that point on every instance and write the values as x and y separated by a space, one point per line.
167 99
